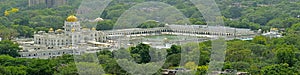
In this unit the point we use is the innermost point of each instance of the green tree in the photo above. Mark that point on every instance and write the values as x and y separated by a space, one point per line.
285 54
241 66
112 67
191 65
204 53
150 24
295 27
202 70
235 55
141 51
67 69
172 60
237 51
24 31
278 23
105 25
258 49
89 68
278 69
260 40
9 48
14 70
174 50
8 33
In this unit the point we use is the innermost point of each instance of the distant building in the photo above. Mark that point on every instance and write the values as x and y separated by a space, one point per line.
189 30
274 33
230 72
74 39
33 2
49 3
173 72
59 42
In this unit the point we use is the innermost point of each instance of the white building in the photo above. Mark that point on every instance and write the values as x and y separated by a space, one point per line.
74 39
274 33
58 42
188 30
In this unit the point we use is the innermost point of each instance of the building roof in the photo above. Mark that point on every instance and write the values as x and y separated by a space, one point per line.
207 28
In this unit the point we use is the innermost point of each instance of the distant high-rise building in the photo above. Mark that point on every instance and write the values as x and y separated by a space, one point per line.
34 2
60 2
49 3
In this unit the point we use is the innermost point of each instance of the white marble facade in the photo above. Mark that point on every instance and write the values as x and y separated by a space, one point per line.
60 41
73 32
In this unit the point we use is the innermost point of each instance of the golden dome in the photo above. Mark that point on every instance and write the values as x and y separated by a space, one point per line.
59 30
274 28
72 18
51 30
93 28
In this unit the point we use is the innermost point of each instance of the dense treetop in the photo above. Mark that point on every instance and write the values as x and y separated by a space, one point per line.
260 56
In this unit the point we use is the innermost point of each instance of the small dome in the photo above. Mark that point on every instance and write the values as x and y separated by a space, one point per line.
51 30
93 28
98 19
274 28
59 31
72 18
166 40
